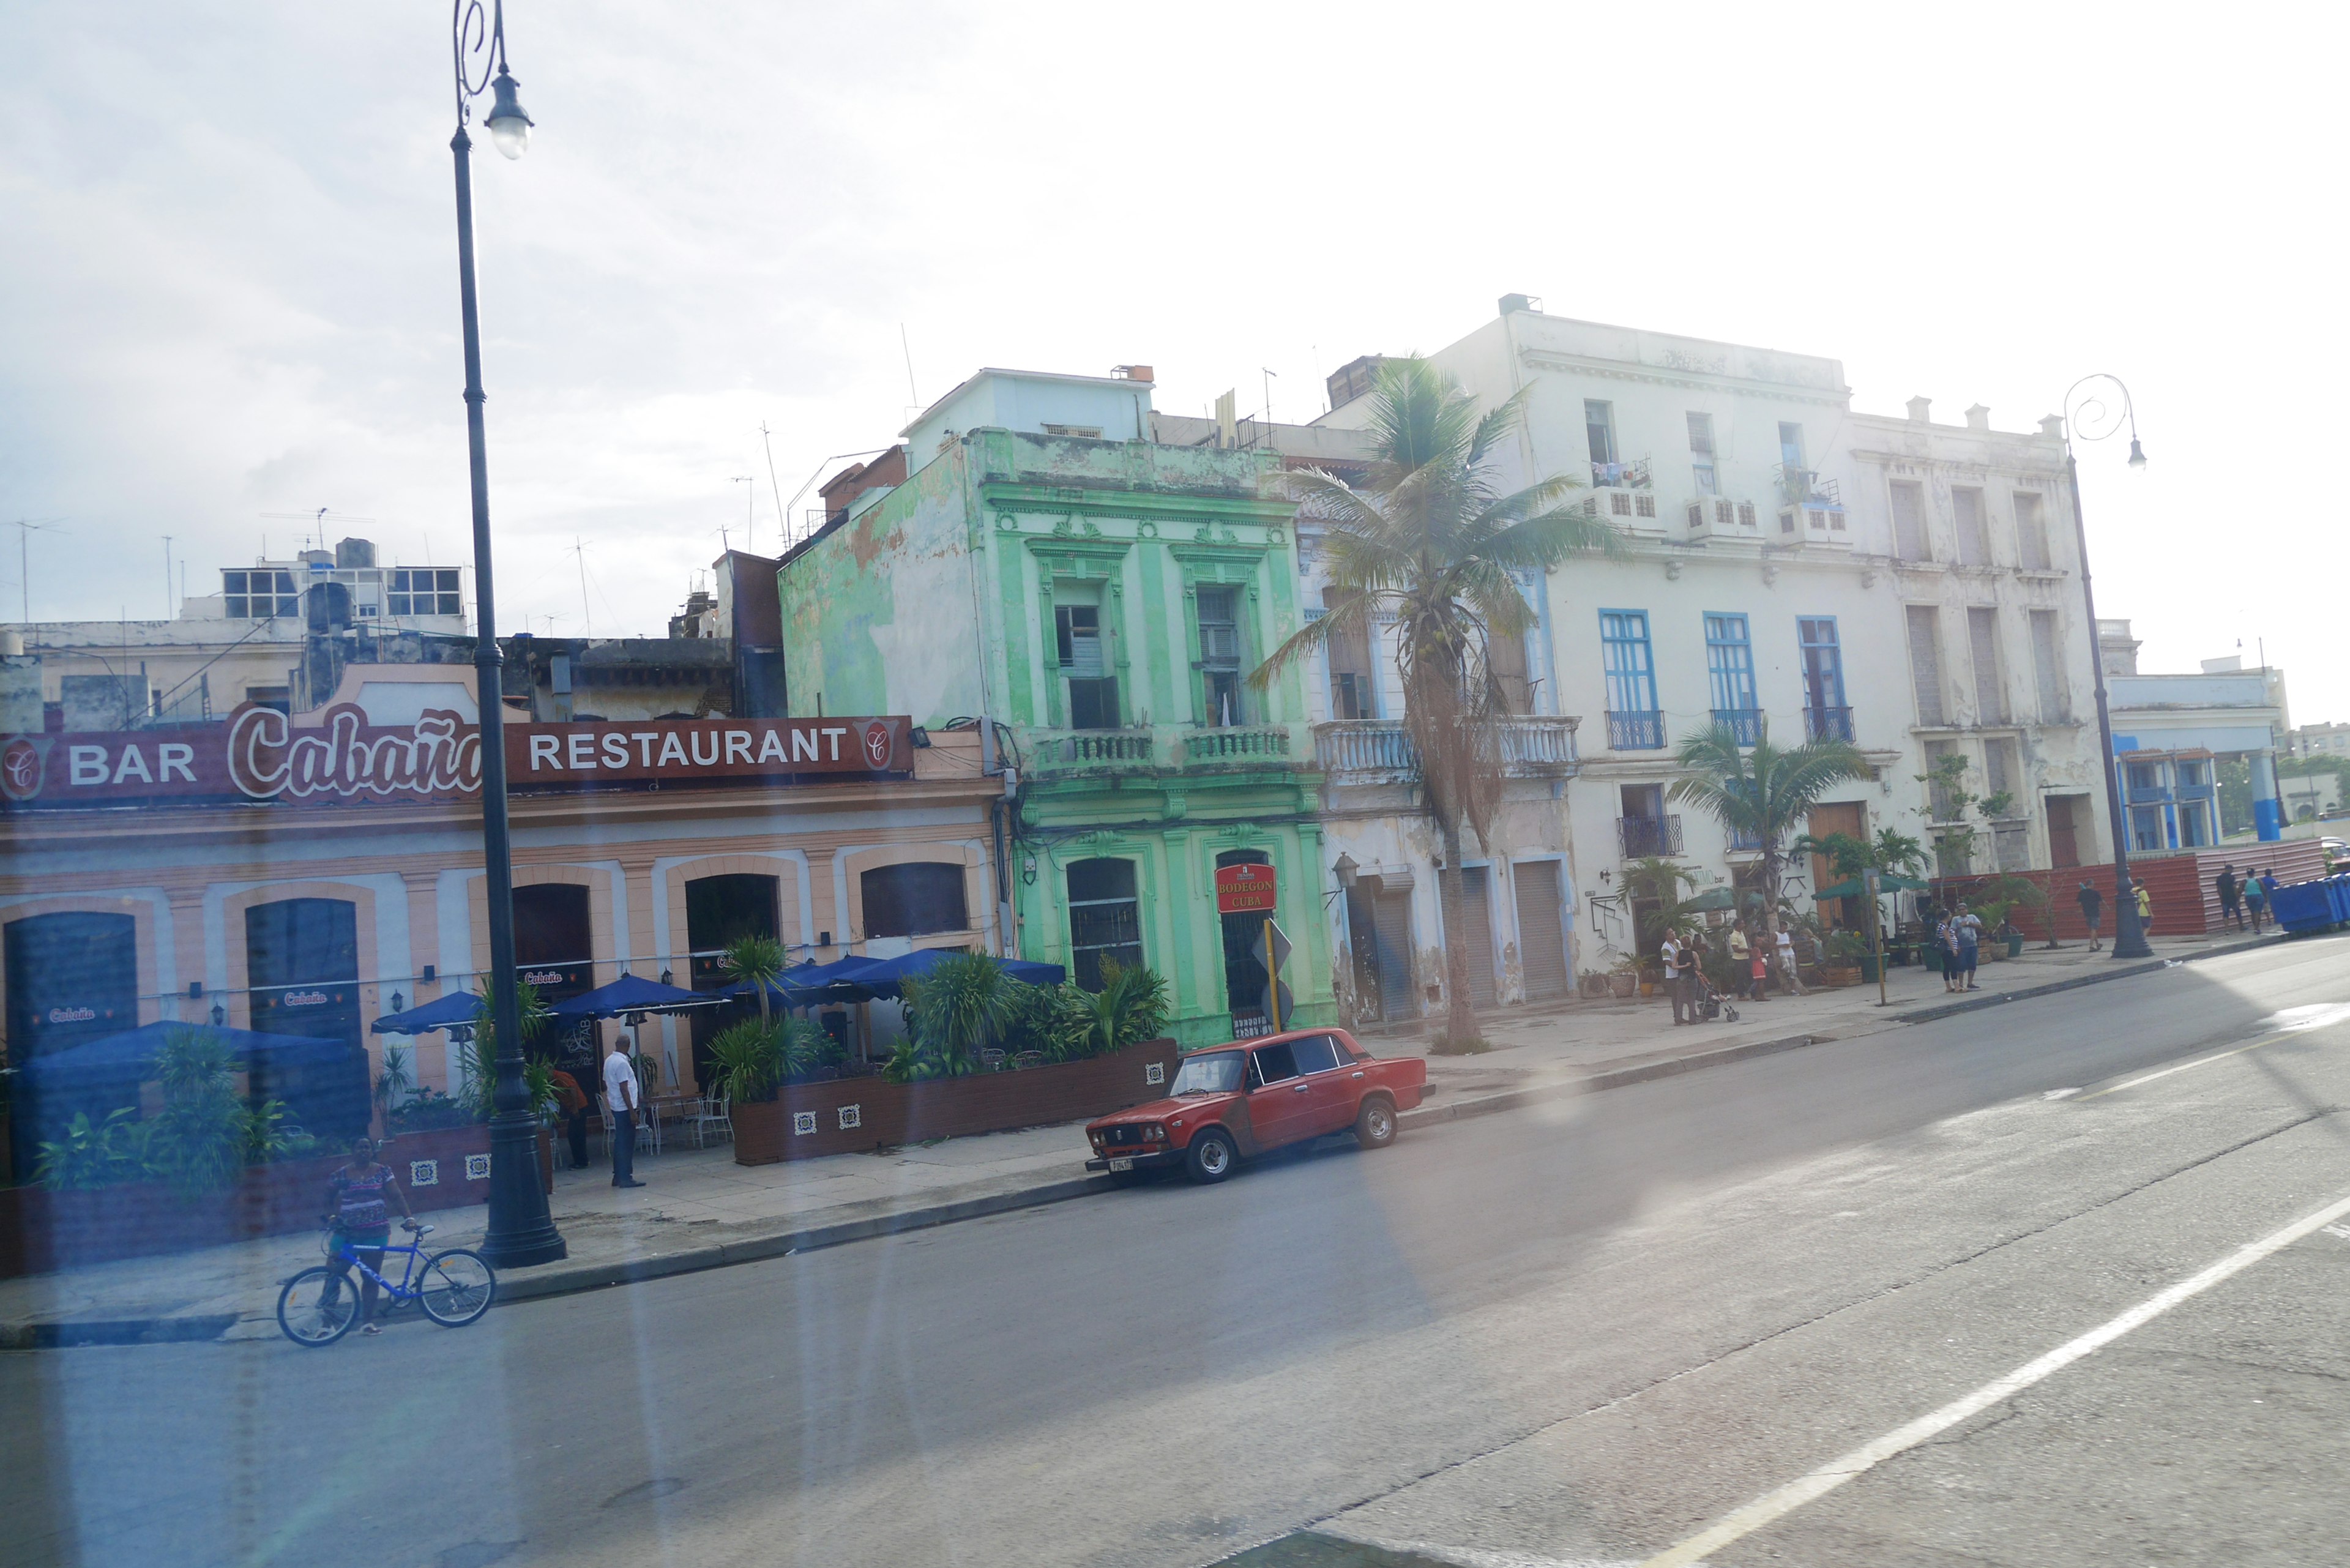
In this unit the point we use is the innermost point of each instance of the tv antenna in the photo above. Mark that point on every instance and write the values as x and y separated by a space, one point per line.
749 496
587 617
318 521
25 528
783 523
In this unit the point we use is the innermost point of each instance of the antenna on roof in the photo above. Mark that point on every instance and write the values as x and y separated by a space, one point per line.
25 528
749 497
907 344
587 617
316 520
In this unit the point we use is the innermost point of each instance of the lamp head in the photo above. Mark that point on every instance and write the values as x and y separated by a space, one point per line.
509 126
395 1006
2137 455
1346 870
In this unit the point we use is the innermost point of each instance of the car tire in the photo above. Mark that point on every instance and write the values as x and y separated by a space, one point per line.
1375 1124
1210 1157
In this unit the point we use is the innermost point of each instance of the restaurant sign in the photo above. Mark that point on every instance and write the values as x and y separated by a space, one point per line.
1246 891
256 756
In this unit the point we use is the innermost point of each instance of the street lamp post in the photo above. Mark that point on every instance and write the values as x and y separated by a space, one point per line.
520 1231
2130 938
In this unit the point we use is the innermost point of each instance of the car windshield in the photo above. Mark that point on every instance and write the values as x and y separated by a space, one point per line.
1216 1074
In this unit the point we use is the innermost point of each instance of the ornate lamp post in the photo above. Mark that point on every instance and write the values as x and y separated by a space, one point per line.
2089 415
520 1231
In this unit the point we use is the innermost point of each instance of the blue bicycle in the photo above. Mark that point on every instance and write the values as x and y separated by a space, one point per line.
319 1305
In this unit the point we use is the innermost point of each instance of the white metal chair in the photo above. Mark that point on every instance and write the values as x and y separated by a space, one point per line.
712 1120
647 1130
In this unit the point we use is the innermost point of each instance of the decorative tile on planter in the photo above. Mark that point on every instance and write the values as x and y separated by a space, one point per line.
851 1117
424 1173
803 1123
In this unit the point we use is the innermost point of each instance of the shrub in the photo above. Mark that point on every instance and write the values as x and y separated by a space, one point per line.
429 1108
95 1154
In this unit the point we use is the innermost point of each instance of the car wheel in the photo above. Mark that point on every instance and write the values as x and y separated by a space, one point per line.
1375 1124
1210 1158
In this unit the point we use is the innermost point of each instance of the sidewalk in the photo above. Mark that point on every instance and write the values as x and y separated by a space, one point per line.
700 1209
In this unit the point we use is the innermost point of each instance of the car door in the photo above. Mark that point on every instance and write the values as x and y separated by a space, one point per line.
1279 1097
1330 1094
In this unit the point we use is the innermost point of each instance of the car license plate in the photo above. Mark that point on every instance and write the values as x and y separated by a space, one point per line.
1121 1165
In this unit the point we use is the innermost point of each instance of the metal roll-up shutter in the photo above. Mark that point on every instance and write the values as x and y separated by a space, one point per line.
1542 934
1391 923
1476 934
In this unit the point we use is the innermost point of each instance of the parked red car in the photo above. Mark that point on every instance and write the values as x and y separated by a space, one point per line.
1234 1102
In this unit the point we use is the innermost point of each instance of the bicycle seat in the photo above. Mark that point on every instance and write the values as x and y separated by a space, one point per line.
420 1229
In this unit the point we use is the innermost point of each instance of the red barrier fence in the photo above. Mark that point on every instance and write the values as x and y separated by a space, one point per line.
2183 886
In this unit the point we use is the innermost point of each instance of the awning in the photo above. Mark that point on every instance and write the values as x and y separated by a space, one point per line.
629 993
1886 882
880 976
458 1010
129 1057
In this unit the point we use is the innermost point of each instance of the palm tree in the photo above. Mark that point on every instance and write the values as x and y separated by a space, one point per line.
1433 541
755 961
1763 792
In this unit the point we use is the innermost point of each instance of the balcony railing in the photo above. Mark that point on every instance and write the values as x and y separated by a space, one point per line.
1237 744
1804 487
1746 721
1827 724
1635 731
1096 747
1638 835
1531 746
1743 842
2147 795
1631 475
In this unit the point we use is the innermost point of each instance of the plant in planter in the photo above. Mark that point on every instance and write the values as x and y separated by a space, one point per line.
425 1111
1624 977
93 1155
1591 984
1845 952
482 1059
1131 1006
756 961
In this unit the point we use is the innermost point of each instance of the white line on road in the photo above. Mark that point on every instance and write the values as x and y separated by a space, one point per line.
1777 1505
2293 1021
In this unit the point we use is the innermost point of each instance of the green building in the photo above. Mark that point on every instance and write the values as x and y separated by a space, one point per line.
1101 598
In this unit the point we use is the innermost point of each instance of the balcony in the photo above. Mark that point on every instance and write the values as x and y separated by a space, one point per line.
1638 835
1080 748
1804 487
1827 724
1746 721
1237 744
1744 842
1631 475
2147 795
1635 731
1370 749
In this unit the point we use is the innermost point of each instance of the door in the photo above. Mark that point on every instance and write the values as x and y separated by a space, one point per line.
1476 934
302 961
1850 820
1280 1107
2063 834
1542 934
1329 1093
1391 928
73 977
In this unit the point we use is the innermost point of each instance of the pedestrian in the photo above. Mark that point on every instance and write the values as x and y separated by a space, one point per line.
1966 941
1788 972
2256 899
2231 896
1675 952
2092 910
1758 967
1741 953
625 1101
2145 911
1693 970
1946 944
573 1103
362 1221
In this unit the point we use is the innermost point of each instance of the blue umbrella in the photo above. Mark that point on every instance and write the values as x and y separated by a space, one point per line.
127 1056
627 994
881 976
458 1010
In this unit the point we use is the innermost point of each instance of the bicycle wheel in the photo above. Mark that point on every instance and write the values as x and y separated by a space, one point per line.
457 1288
317 1307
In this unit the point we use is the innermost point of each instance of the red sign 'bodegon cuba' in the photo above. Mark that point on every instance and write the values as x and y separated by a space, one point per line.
256 756
1245 890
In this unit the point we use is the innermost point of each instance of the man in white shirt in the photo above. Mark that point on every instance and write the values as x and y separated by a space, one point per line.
620 1093
1669 954
1789 970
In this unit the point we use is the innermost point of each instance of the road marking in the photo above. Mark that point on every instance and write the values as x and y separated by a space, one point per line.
2293 1021
2199 1062
1778 1504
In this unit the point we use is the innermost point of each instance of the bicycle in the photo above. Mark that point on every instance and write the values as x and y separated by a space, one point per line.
319 1305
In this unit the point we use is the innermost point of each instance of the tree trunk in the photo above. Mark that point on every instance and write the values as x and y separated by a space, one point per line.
1460 1022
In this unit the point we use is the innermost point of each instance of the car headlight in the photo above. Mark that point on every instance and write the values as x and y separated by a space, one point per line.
1154 1133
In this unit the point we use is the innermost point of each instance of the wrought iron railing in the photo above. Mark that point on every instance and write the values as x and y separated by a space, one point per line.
1804 487
1531 745
1635 731
1633 475
1827 724
1638 835
1746 721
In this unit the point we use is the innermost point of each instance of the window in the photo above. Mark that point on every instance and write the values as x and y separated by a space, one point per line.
1599 429
2048 669
1632 718
278 697
1824 714
914 898
1982 647
1351 693
1730 666
1700 437
1082 433
1909 540
2145 776
2001 772
1093 690
1220 655
719 911
2194 825
259 594
1276 1064
1217 1073
1506 657
2030 532
1746 514
2194 775
1926 662
2146 827
422 592
1791 446
1941 804
1314 1054
1105 919
1975 543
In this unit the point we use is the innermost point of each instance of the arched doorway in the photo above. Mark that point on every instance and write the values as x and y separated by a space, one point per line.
73 977
302 969
555 945
1244 974
719 911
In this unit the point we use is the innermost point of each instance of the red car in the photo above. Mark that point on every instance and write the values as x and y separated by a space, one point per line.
1234 1102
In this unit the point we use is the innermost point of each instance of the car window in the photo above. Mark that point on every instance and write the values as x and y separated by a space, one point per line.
1217 1074
1314 1054
1275 1062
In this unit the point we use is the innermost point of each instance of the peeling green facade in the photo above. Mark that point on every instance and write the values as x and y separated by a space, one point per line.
1056 583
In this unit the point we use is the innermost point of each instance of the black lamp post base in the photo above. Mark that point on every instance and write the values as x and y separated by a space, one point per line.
540 1244
2130 938
520 1231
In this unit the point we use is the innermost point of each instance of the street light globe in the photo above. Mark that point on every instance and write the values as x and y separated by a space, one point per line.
509 126
2136 457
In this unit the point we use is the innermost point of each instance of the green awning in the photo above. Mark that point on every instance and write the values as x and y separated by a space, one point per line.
1888 882
1713 899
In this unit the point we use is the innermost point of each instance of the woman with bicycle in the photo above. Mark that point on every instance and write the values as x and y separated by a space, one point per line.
362 1222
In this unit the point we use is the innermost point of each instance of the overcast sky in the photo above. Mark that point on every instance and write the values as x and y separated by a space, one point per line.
227 273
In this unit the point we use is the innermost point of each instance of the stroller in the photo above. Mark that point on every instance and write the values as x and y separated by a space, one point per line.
1710 1004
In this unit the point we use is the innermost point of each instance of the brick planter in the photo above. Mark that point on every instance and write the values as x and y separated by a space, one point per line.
845 1114
41 1232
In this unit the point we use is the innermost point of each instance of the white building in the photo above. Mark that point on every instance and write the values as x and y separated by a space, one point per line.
2172 732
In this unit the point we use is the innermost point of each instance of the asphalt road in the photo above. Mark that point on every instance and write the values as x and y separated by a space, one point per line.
1578 1333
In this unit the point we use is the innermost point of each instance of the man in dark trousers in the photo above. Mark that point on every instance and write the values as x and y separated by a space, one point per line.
2231 897
2092 910
626 1101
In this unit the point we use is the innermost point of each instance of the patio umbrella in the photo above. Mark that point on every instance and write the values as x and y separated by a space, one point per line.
629 993
1886 882
880 976
458 1010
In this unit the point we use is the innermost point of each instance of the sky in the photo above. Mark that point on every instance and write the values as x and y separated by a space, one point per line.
228 280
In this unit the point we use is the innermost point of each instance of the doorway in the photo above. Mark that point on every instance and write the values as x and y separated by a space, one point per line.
720 911
1245 975
1542 930
2064 831
73 977
302 964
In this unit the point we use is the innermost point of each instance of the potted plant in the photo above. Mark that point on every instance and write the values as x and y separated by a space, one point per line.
1845 952
1591 985
1624 979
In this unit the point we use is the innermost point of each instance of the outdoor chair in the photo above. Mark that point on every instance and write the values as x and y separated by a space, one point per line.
648 1128
1028 1059
991 1059
711 1121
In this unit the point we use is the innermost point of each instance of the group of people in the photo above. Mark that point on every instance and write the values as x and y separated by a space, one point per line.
2247 894
1753 956
1960 935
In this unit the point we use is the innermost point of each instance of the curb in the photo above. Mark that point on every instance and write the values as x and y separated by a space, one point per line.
577 1278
